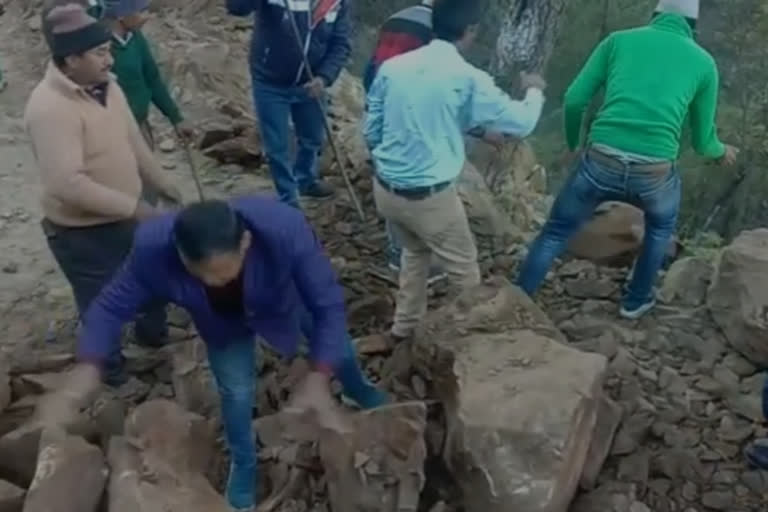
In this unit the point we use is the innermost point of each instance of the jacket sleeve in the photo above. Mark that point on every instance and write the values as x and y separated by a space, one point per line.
703 113
374 112
339 47
57 144
243 7
492 109
583 89
161 97
322 296
116 305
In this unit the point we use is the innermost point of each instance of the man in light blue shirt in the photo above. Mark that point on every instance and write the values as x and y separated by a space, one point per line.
419 108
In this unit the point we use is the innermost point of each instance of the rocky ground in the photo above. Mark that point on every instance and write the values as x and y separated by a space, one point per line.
502 404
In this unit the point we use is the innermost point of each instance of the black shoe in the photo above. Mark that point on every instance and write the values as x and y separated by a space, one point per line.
114 374
319 190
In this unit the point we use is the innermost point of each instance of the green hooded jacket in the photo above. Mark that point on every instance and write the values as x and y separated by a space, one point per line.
654 76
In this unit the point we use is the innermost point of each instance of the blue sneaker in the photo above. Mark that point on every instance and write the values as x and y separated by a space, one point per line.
757 454
634 313
241 487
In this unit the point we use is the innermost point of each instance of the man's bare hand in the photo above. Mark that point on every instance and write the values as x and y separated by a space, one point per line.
185 131
62 407
313 396
532 80
145 211
494 139
315 87
730 156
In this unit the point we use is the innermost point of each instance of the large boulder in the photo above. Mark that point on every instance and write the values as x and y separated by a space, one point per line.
192 379
686 282
521 406
376 465
613 236
19 447
738 297
379 465
161 461
70 475
11 497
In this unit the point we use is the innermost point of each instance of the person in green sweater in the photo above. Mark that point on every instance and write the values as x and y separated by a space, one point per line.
653 78
136 68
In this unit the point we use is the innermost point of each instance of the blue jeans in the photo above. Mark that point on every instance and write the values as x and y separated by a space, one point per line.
232 365
591 184
274 106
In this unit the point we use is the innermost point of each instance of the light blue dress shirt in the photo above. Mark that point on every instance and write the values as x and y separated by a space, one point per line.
423 102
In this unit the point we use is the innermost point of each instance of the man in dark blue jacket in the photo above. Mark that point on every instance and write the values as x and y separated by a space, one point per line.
249 267
282 87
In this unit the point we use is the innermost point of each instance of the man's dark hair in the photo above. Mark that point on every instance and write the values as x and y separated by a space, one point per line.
452 18
207 228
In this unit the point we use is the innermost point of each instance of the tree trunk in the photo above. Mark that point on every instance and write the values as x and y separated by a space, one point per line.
517 35
525 33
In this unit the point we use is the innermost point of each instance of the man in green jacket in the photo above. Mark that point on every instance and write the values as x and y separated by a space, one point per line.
136 68
654 77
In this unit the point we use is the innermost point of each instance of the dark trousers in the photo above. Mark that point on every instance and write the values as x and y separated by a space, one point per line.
89 257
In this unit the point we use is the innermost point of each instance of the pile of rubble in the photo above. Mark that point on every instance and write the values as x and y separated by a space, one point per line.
502 404
499 408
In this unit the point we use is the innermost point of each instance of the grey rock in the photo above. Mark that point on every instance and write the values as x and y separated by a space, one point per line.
686 282
632 433
739 365
709 385
671 382
725 477
608 420
639 506
622 365
609 497
660 486
680 464
11 497
756 481
690 491
717 500
635 469
746 406
727 378
733 431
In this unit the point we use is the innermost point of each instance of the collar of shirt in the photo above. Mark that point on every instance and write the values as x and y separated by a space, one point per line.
122 40
57 79
444 48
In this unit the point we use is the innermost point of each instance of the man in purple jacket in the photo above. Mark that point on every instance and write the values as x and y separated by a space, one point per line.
249 267
283 89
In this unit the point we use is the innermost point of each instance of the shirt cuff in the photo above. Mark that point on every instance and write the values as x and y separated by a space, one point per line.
532 94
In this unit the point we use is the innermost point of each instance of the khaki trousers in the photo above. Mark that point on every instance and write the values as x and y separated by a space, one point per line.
436 226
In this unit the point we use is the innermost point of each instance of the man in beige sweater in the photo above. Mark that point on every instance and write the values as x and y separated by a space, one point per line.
92 159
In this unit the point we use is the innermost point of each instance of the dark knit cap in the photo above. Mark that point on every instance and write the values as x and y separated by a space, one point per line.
74 32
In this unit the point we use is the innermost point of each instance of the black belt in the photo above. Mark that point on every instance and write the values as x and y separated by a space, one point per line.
414 193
